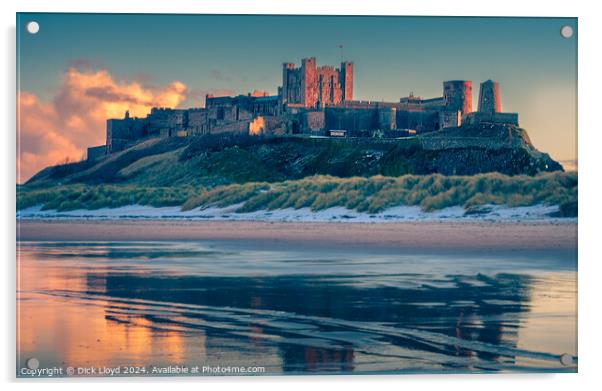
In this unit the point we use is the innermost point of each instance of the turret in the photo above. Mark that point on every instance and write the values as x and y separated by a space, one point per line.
286 68
458 95
346 81
489 97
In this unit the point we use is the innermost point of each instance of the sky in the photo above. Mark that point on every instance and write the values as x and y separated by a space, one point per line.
81 69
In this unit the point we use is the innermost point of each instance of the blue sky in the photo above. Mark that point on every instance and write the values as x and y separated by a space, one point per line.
535 66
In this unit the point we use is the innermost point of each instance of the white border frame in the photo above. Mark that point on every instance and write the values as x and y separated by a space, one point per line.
589 90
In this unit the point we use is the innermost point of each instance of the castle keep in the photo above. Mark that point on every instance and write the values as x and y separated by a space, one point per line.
313 101
313 87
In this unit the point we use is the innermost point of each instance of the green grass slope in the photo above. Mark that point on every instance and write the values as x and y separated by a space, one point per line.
211 161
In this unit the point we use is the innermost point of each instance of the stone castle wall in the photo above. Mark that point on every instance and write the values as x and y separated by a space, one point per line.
494 118
95 153
439 143
315 100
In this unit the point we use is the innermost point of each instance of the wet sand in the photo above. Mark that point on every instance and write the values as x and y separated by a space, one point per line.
482 235
295 309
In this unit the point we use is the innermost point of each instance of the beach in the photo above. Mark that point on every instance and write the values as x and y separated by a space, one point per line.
484 235
298 298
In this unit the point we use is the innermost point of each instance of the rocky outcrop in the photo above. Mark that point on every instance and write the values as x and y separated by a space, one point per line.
485 147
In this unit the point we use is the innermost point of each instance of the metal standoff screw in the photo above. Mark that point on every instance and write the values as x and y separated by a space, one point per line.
33 27
32 363
566 359
566 31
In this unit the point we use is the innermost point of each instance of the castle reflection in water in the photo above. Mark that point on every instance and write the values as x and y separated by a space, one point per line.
152 304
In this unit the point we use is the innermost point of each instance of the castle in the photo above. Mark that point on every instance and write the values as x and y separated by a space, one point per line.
313 101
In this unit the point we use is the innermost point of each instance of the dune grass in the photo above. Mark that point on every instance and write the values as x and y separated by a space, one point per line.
372 195
223 196
430 192
72 197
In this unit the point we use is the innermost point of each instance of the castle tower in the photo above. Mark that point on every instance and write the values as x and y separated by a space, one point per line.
288 93
489 97
458 95
313 87
309 82
346 80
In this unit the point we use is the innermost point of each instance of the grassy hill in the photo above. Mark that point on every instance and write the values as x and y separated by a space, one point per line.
217 160
467 167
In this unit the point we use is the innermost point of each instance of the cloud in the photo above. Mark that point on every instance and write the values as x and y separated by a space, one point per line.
259 93
61 129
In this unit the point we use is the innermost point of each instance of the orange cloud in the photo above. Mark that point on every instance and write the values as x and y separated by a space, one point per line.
258 93
50 132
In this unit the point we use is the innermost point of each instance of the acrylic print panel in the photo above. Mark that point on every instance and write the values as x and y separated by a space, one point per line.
358 195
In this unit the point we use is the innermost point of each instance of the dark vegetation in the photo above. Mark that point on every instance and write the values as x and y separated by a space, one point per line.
214 160
255 173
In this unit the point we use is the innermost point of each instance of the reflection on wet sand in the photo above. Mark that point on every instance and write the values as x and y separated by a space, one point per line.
293 311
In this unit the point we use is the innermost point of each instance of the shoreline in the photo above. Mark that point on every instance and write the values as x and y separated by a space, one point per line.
478 235
401 213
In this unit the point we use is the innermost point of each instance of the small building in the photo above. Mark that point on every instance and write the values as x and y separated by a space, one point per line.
95 153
